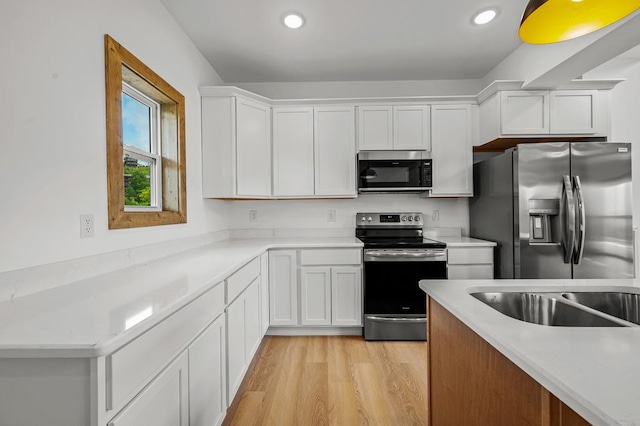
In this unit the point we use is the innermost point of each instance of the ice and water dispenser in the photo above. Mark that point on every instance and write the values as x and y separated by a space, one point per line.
541 218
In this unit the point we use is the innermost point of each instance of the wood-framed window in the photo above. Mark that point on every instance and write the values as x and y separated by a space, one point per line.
146 167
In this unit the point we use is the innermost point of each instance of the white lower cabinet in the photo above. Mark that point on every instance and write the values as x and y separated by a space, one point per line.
315 295
243 335
164 402
469 263
283 287
327 281
346 295
207 376
264 292
330 295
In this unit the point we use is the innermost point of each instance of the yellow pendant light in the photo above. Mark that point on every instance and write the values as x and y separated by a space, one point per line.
551 21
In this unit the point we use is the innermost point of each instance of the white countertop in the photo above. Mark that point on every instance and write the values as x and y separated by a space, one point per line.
594 370
88 318
463 241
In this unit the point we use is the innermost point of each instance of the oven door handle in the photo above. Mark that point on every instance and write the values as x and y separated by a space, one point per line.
375 254
395 319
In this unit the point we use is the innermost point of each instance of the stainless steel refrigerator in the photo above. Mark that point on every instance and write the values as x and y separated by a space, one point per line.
557 210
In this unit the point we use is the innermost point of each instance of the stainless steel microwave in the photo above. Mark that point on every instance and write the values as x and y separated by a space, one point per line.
394 171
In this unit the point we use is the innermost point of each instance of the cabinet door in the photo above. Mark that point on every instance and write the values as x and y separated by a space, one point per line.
335 151
164 402
264 292
315 295
253 148
452 150
411 127
573 111
524 112
235 346
293 152
207 376
283 288
252 331
346 295
375 128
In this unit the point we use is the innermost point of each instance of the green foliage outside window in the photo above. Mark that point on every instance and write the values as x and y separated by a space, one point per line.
137 191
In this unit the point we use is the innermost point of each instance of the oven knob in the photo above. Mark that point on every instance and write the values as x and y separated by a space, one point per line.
417 218
410 218
404 218
363 218
369 219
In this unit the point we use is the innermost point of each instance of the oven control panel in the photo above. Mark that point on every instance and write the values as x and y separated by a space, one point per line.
404 220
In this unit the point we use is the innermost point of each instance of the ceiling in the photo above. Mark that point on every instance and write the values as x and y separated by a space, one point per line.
349 40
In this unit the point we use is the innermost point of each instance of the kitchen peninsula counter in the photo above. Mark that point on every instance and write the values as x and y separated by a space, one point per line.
95 316
593 370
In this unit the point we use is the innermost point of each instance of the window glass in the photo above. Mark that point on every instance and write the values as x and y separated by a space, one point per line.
137 181
136 123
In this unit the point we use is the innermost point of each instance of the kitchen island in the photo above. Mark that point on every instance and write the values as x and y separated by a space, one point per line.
494 366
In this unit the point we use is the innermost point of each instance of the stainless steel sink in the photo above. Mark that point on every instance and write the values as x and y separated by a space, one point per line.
542 309
625 306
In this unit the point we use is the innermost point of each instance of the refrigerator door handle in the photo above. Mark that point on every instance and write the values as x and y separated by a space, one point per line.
568 219
581 217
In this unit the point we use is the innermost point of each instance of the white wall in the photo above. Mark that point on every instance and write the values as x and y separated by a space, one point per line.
287 214
625 114
52 124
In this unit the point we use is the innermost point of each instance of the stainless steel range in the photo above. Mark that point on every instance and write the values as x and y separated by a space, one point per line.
396 258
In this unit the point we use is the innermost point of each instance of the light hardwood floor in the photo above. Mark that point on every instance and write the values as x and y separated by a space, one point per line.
340 381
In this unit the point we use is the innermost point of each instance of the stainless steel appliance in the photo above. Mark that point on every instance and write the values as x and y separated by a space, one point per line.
396 258
394 171
557 210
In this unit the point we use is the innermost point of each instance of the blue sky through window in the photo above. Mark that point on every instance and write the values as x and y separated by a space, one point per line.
136 123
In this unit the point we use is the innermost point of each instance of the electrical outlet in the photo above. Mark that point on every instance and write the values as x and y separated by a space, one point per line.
253 215
331 215
435 216
86 226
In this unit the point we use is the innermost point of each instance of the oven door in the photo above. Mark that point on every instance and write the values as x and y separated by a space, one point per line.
390 176
395 307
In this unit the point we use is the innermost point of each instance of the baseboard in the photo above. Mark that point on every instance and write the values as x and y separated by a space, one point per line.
314 331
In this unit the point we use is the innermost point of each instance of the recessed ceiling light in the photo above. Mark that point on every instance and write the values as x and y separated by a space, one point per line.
293 20
485 17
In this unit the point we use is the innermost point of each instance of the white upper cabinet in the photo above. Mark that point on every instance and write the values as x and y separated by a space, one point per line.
451 150
400 127
253 148
314 152
335 151
530 113
375 128
525 113
236 147
573 111
293 157
411 127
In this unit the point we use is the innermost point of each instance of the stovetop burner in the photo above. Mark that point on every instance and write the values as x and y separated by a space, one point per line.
393 230
401 243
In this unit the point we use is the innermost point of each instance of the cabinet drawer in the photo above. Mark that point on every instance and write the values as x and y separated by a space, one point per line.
470 272
131 367
241 279
469 255
331 257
